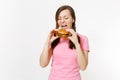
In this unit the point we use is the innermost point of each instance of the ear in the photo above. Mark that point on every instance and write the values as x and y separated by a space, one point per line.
73 20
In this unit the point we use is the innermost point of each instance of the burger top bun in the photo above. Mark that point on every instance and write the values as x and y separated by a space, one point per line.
62 33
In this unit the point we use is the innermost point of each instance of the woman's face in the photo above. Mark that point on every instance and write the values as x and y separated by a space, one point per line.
65 19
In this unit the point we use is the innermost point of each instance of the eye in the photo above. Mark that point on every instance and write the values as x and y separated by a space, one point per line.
58 18
66 18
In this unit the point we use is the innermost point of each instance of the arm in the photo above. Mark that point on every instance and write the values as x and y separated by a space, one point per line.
45 55
82 55
47 50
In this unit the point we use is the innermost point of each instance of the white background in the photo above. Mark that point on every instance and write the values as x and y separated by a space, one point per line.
25 24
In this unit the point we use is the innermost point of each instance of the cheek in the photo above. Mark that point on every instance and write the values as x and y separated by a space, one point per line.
70 23
58 22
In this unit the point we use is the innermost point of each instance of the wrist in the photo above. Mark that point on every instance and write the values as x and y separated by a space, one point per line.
77 45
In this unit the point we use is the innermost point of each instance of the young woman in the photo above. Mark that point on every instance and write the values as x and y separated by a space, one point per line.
69 54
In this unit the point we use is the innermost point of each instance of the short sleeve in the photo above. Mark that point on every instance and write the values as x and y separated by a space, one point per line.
84 43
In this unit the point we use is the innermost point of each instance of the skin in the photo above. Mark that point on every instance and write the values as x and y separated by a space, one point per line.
65 19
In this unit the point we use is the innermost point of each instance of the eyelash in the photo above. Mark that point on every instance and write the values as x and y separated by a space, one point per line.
60 19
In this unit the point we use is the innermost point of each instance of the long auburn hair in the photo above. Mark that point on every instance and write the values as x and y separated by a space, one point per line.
64 7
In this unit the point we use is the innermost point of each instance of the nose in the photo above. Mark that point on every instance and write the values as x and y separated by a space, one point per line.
62 20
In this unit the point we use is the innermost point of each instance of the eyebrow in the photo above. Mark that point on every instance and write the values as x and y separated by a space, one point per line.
63 16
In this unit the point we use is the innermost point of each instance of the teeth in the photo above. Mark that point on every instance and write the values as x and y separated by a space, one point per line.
64 26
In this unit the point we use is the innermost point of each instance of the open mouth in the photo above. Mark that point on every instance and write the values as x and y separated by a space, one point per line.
64 26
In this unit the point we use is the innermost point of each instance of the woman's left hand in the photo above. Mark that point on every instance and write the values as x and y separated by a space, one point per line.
73 36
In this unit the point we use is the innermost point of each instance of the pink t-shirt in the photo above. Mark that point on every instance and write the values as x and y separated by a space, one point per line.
64 60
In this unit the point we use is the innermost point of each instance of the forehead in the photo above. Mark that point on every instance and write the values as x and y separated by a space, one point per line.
65 12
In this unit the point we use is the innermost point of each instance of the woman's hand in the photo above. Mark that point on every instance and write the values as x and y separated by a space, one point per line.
73 36
52 36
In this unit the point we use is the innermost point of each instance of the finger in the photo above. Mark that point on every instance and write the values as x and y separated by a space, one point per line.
53 38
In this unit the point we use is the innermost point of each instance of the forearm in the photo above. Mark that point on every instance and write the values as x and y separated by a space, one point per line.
45 55
81 57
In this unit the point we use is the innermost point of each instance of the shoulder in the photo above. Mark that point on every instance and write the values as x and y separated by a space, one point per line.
84 41
82 37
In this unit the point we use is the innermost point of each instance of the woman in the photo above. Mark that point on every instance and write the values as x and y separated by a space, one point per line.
69 55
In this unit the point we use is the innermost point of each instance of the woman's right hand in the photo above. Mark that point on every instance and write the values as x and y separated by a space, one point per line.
51 36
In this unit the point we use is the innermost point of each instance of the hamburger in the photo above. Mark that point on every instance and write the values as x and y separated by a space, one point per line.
62 33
